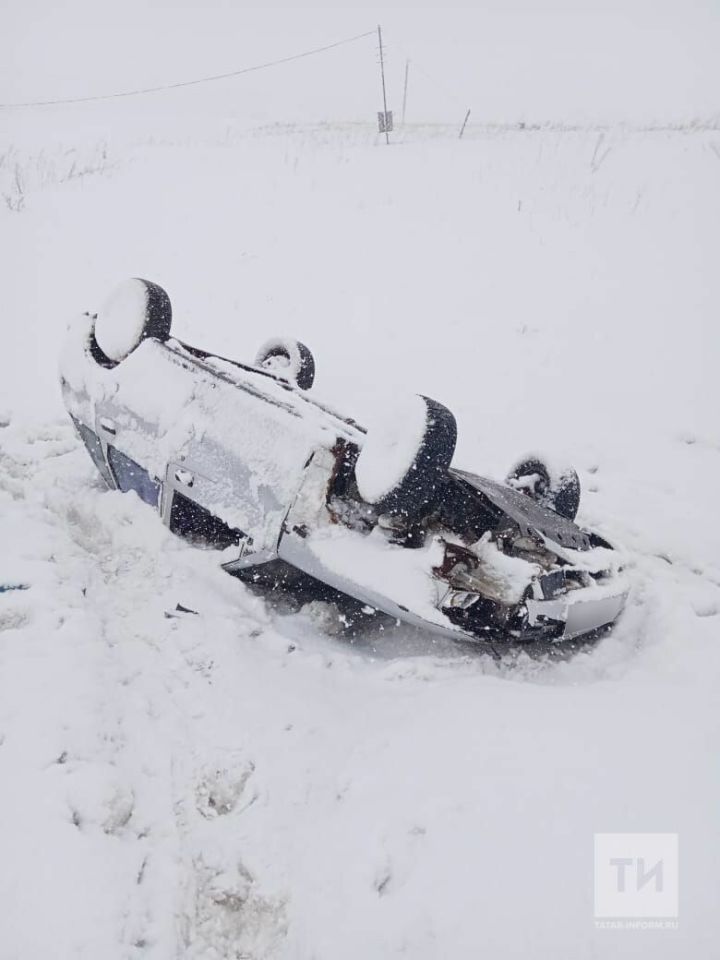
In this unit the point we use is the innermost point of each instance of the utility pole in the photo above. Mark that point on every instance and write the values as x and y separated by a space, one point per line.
407 68
462 128
384 125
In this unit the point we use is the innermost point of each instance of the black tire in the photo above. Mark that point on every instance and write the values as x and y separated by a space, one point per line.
556 487
300 366
137 310
410 485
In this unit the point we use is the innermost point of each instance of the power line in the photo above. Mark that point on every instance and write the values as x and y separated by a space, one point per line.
451 95
439 86
189 83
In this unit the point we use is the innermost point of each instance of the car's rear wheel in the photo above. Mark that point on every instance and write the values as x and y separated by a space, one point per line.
556 486
136 310
405 457
288 359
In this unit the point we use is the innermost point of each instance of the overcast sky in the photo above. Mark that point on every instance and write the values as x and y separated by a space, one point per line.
514 60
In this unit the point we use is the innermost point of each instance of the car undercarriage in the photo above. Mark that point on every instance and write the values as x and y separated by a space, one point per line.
241 458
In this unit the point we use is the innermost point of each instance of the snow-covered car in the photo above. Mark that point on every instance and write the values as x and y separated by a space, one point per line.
239 457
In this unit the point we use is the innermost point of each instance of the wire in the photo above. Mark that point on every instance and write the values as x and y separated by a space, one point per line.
439 86
189 83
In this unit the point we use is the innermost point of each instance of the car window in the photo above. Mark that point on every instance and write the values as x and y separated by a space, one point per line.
94 448
131 476
188 519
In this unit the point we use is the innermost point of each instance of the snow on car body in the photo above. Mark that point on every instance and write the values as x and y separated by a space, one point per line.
239 458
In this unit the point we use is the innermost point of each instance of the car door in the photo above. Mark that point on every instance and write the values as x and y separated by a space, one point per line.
121 444
245 453
187 498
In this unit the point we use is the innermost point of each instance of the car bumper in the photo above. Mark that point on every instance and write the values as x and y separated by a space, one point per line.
580 611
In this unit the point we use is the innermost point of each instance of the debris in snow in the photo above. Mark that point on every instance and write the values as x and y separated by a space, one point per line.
179 608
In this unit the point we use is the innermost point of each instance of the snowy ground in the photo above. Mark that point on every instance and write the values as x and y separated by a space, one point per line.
239 783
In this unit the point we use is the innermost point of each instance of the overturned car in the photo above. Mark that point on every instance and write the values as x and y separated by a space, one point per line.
240 458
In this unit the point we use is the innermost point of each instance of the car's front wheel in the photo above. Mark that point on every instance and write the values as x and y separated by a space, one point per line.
404 460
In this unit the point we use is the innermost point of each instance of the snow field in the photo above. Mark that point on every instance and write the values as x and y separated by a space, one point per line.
234 782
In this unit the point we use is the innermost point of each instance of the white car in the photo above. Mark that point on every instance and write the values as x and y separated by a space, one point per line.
240 458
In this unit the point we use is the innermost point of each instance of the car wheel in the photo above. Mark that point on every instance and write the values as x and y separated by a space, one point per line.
405 457
288 359
554 485
136 310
